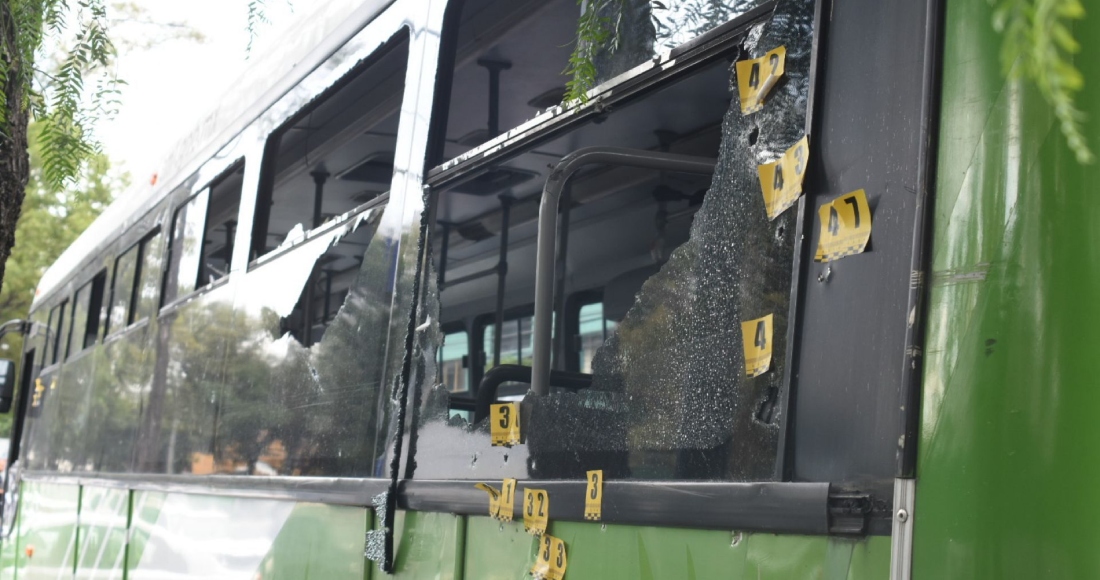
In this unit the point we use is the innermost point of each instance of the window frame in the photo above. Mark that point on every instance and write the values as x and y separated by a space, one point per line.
265 189
141 246
169 251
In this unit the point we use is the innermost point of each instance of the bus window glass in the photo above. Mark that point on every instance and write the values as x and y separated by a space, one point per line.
87 306
79 319
186 250
54 336
64 332
680 262
221 226
122 289
594 329
334 156
454 362
516 54
152 254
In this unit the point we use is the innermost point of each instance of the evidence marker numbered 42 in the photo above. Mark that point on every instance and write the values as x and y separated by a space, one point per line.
757 76
845 227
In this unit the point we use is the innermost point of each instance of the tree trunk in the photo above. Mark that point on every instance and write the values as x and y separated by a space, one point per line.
14 159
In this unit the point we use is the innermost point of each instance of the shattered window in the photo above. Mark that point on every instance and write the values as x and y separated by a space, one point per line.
512 57
334 156
680 261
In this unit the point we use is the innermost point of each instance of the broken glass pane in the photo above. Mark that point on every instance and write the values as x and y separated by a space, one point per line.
669 397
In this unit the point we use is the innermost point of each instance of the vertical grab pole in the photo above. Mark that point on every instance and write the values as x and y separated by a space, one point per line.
502 274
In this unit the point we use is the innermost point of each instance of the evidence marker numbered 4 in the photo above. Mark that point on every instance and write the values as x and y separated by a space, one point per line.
845 227
757 338
504 424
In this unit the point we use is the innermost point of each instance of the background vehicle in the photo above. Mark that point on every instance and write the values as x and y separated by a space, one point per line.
283 353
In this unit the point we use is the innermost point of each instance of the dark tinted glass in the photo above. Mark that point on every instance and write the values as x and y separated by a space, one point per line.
148 282
186 249
122 289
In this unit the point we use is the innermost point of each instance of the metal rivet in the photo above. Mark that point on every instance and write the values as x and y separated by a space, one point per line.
903 515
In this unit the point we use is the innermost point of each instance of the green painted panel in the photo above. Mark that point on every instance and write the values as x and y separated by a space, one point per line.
47 531
104 517
1006 487
145 511
318 542
500 551
9 546
426 545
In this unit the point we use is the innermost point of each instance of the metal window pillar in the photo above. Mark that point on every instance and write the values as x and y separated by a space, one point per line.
548 229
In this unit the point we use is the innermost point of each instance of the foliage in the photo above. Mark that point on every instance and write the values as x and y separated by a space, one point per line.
601 25
60 99
51 220
1038 44
595 30
257 17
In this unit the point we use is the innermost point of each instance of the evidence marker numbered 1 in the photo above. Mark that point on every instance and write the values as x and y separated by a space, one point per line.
504 424
757 337
757 76
507 502
845 227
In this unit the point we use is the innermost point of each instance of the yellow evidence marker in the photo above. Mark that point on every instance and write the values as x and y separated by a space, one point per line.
845 227
536 508
494 497
781 180
507 500
757 337
504 424
550 562
757 76
593 498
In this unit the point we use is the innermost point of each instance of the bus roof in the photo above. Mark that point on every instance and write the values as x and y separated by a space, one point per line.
304 46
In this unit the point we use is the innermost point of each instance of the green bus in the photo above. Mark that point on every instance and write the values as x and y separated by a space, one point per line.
797 289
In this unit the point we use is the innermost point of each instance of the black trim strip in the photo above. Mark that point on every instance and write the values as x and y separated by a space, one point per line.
798 508
909 402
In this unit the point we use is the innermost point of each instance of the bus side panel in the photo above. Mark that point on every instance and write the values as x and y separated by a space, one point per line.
495 550
104 515
47 530
318 542
9 547
427 544
203 536
1007 476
